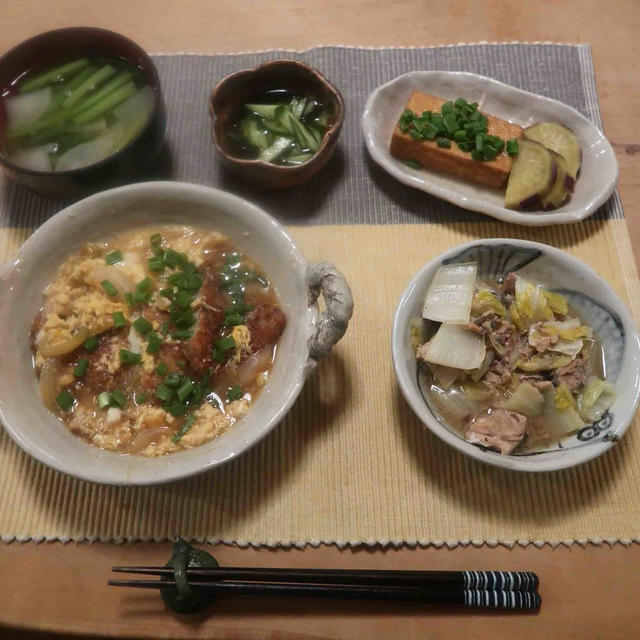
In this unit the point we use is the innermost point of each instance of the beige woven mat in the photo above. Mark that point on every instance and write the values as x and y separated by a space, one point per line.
350 463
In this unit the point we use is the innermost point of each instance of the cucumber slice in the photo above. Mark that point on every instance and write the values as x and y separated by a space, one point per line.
284 119
273 152
322 119
316 132
559 139
253 134
263 110
533 173
303 136
275 127
298 158
309 107
296 106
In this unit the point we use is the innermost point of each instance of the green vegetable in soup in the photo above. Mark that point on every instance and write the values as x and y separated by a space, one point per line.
76 114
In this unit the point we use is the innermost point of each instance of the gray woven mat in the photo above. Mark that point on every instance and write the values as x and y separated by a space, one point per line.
352 189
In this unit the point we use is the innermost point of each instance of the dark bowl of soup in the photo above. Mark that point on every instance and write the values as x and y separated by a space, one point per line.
81 108
276 125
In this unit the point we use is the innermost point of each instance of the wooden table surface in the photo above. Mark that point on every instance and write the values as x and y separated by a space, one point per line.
588 592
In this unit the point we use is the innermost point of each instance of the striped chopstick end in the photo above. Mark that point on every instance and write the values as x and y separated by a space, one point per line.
501 580
494 599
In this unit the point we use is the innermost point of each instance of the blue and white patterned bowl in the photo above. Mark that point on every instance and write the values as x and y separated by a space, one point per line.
597 305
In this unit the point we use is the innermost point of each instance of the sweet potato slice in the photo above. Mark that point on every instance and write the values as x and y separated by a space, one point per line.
533 173
560 192
561 140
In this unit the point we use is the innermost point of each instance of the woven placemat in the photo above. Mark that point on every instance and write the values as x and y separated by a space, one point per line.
350 463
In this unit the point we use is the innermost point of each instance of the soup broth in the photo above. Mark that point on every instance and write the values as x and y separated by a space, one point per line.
75 114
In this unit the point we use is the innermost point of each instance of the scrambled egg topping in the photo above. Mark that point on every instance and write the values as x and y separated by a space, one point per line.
242 339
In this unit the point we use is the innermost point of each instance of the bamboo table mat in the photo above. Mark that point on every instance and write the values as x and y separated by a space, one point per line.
350 464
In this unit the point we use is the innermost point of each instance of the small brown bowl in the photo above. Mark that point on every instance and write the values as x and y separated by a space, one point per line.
245 86
135 157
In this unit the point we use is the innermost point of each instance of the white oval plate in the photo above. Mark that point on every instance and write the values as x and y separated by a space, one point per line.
598 174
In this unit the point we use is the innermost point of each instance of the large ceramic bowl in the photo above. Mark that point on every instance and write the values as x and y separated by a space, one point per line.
309 335
596 304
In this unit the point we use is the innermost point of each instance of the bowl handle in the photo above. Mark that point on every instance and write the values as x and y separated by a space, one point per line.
323 278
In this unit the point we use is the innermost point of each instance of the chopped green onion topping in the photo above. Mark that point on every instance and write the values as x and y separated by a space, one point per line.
141 397
154 343
156 238
91 344
114 257
176 409
458 121
181 334
118 399
142 296
234 393
104 400
142 325
164 393
110 290
161 369
64 400
128 298
513 147
413 164
173 380
81 368
156 264
119 320
221 348
188 423
184 391
129 357
183 299
144 285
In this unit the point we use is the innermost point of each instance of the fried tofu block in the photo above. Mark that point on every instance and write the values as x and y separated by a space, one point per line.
459 163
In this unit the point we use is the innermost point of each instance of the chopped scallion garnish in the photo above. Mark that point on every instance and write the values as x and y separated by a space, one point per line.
114 257
142 325
234 393
91 344
144 285
154 343
188 423
104 400
161 369
109 289
118 398
129 357
81 367
64 400
184 391
119 320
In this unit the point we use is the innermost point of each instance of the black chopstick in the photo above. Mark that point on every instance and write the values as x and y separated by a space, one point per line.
434 595
518 581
